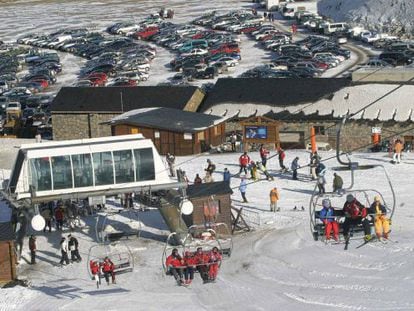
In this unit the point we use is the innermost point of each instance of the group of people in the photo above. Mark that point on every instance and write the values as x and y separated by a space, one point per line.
69 248
105 268
356 214
183 267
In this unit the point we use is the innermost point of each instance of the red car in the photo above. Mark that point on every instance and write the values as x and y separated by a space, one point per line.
248 29
43 83
96 81
226 48
147 33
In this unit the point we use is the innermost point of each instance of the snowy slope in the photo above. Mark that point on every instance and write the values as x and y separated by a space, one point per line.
276 267
394 16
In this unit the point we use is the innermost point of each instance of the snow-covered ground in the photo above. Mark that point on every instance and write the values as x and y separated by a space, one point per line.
394 16
278 266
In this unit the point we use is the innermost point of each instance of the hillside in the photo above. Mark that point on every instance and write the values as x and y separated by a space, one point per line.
394 16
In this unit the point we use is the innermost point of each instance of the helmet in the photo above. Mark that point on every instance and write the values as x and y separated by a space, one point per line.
349 198
377 198
174 250
326 203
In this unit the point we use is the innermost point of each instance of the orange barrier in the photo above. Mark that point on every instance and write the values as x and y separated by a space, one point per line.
313 139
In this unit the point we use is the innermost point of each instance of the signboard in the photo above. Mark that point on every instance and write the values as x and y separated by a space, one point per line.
256 132
376 130
99 200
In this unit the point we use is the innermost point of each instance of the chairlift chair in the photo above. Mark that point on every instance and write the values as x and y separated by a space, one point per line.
117 225
315 205
119 253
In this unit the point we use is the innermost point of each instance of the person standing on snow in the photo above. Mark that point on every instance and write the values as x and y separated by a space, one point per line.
398 148
274 197
328 218
244 161
170 158
59 216
32 247
381 222
263 154
243 188
211 167
233 140
314 161
321 184
74 248
197 180
226 175
253 170
263 169
337 184
355 213
281 157
295 166
64 251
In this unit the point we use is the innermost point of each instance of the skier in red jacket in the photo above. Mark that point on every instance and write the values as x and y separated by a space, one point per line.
108 268
190 263
96 272
175 265
202 259
244 161
263 154
215 259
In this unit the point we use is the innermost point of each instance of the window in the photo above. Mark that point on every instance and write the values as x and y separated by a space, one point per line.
62 172
144 164
102 164
40 174
319 130
200 136
82 170
124 167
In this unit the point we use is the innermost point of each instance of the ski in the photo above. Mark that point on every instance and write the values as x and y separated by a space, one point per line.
346 243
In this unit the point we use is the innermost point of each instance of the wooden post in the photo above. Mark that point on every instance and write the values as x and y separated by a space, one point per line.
313 140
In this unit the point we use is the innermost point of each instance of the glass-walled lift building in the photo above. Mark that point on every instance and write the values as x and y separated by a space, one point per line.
82 168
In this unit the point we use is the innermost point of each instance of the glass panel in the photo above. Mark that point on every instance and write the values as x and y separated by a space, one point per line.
124 167
144 164
40 174
62 172
102 164
82 170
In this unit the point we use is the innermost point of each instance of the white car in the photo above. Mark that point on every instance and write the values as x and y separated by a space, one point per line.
340 58
230 62
135 75
197 51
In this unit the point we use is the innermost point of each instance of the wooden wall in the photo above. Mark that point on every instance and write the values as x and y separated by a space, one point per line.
225 210
174 142
7 262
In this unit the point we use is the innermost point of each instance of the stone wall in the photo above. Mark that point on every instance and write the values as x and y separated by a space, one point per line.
78 126
356 135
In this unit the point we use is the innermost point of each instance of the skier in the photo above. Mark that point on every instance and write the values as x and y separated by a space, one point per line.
108 268
214 260
337 184
321 184
59 216
233 140
190 266
96 272
32 247
263 169
263 154
174 265
314 161
197 180
274 197
242 188
327 217
226 175
281 156
202 260
381 222
398 148
170 158
64 251
208 178
355 213
253 170
210 167
74 248
244 161
294 166
47 215
320 169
